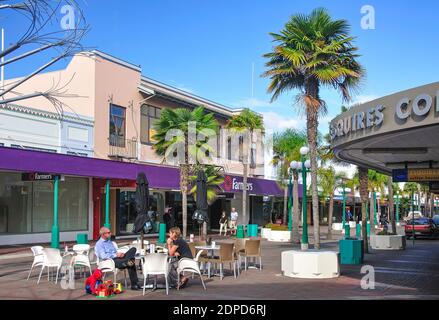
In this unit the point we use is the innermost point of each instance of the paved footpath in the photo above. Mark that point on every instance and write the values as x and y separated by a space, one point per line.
409 274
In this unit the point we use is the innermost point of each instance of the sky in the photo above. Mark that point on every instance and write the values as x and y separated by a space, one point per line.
209 47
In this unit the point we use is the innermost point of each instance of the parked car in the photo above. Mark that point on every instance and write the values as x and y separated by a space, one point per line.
418 215
423 227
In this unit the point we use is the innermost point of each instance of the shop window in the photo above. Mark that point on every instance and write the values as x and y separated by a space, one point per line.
148 114
27 207
117 125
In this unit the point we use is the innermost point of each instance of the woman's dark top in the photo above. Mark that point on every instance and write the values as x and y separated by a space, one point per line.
223 220
183 248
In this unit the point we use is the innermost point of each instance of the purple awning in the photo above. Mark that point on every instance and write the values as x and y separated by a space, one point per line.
234 184
36 161
158 176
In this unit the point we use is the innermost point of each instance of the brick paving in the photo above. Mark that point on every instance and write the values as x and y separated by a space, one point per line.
409 274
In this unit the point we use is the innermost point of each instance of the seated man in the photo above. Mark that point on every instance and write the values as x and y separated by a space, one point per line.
177 247
105 249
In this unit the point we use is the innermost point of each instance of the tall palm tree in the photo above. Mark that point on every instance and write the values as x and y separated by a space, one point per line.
246 122
364 195
328 180
377 182
311 52
180 120
286 148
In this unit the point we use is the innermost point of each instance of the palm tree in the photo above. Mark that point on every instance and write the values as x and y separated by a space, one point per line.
364 195
180 121
311 52
328 180
410 188
246 123
286 148
377 182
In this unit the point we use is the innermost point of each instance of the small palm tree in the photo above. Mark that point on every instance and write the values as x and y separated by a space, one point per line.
328 180
180 121
247 122
286 148
311 52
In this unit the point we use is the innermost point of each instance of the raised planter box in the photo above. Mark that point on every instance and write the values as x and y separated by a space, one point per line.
279 236
395 242
352 224
265 233
310 264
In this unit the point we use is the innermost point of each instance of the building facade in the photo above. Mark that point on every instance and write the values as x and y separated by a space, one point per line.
103 132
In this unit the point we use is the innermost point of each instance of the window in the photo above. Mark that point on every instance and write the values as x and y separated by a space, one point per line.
148 114
117 126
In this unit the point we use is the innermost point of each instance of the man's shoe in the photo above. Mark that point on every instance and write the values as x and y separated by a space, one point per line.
131 263
136 287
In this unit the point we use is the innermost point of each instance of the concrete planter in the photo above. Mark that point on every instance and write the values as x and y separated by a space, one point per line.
311 264
394 242
337 226
265 233
279 236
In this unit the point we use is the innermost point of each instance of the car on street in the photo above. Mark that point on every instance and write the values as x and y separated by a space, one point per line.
418 215
423 227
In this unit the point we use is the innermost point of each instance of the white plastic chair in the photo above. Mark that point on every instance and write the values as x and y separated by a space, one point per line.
190 265
51 259
38 258
155 264
81 257
107 266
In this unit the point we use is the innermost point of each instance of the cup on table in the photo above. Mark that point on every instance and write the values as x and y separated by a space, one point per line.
213 244
152 248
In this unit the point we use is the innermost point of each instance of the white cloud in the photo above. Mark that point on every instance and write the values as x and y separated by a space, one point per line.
276 122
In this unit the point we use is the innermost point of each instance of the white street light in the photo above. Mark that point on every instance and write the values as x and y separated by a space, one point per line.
294 165
304 151
308 164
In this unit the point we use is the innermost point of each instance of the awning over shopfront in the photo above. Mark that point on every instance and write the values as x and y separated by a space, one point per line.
159 177
36 161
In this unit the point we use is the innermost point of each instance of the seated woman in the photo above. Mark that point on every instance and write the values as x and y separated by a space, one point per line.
179 248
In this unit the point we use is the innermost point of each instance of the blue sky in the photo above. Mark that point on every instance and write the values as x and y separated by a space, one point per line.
208 47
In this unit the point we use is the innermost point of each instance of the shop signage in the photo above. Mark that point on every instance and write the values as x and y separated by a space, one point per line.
420 107
373 117
37 176
415 175
232 184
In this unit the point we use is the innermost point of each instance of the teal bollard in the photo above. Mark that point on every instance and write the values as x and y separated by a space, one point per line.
351 251
368 228
252 230
347 231
240 232
82 238
162 233
358 230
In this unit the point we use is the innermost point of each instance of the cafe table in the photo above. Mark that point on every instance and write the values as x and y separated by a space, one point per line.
210 252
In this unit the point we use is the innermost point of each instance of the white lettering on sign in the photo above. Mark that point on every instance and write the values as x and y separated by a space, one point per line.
240 185
420 107
373 117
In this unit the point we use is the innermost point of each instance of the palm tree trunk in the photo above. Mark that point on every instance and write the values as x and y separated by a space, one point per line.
312 124
183 184
296 213
364 194
372 214
244 195
285 204
391 207
330 214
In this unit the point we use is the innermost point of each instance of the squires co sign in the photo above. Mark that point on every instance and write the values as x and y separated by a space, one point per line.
359 121
417 109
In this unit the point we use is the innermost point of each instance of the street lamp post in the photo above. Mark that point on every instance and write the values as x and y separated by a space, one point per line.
304 169
346 226
290 200
375 220
413 219
397 207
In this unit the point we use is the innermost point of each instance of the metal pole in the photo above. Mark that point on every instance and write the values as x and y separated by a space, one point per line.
397 208
107 205
304 245
375 220
2 75
55 227
346 227
290 203
413 220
